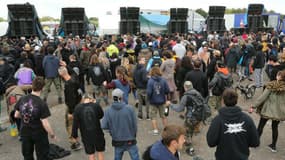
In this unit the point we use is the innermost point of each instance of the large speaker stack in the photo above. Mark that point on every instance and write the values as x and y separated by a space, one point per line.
74 21
178 20
23 21
129 23
215 21
254 17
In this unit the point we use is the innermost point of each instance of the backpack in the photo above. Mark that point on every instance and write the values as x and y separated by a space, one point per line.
57 152
222 84
200 108
146 153
109 75
156 61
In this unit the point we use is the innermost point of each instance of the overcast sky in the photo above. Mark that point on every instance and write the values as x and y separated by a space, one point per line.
95 8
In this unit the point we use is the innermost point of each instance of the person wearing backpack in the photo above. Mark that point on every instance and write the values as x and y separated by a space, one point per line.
222 80
154 61
98 76
157 94
86 117
192 101
232 131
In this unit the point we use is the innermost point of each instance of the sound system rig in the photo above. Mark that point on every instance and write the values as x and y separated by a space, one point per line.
23 21
74 21
255 18
215 20
178 20
129 22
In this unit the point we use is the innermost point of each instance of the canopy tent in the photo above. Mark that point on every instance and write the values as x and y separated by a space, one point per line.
153 23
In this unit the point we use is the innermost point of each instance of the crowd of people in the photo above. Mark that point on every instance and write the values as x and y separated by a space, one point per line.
161 72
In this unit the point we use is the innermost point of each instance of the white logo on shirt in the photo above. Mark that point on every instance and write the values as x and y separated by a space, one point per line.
234 128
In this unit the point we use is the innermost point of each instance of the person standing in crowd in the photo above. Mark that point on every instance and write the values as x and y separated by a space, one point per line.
173 139
258 64
140 80
51 65
167 69
25 75
232 132
198 78
98 76
85 57
211 68
35 126
179 49
120 120
186 66
86 117
222 79
157 94
71 97
231 58
270 106
121 82
191 122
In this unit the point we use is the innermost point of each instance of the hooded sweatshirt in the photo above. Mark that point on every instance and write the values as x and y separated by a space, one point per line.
120 120
157 89
51 65
232 132
160 152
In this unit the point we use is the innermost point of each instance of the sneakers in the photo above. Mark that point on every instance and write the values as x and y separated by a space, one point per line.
148 118
140 117
75 146
155 132
190 151
272 148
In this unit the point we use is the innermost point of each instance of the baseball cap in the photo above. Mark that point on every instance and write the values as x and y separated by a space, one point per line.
117 93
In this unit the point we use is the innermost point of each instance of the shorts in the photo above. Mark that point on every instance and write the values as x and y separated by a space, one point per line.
98 145
156 108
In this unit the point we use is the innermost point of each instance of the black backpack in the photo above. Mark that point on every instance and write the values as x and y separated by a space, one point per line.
222 84
200 108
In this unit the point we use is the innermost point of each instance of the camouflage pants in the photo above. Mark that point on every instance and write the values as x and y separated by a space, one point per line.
215 102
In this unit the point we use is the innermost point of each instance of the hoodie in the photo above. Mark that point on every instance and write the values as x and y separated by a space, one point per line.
123 85
51 65
221 77
157 89
232 132
120 120
159 151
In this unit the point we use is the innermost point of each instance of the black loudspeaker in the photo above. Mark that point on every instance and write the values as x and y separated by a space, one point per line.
254 22
255 9
133 13
22 20
179 14
217 11
177 26
129 26
123 13
129 20
74 21
173 13
182 13
215 24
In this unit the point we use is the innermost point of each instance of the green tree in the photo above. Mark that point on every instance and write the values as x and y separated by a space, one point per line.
202 12
94 20
47 18
2 19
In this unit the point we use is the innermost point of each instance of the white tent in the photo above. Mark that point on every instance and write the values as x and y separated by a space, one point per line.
108 24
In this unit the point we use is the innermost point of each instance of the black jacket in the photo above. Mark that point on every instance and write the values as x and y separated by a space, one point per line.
259 60
232 132
71 94
199 81
140 77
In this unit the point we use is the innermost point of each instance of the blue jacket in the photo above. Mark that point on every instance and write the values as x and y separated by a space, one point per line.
156 94
159 151
120 120
51 65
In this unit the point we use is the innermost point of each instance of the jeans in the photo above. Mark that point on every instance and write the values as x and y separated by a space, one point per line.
132 149
41 144
258 76
142 97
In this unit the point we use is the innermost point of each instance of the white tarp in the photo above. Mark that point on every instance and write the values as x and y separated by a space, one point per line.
108 24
